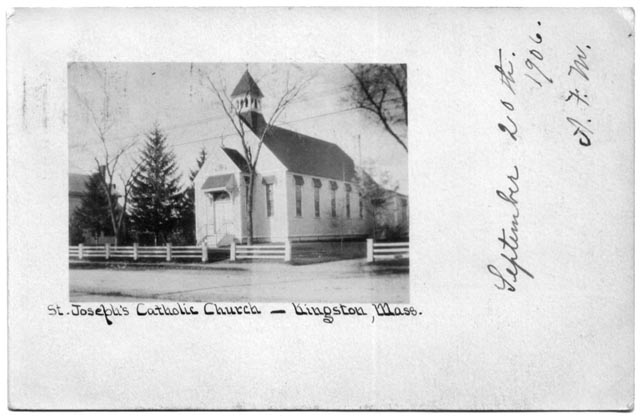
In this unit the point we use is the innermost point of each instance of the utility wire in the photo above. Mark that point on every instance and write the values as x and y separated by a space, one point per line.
187 124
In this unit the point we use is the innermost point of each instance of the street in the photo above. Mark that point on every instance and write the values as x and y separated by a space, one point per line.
347 281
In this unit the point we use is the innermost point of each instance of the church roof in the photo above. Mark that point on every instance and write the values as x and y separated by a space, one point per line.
238 159
301 153
247 85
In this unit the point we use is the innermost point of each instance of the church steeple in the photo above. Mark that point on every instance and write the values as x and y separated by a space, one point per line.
247 96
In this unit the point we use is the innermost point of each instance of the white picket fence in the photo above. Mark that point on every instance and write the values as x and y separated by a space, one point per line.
136 252
376 251
261 251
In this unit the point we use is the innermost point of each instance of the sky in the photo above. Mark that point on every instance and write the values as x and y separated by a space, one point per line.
130 98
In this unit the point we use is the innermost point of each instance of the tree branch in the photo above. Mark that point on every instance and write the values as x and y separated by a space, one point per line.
228 109
290 95
365 94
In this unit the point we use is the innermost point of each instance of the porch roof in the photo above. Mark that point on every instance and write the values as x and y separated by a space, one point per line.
220 182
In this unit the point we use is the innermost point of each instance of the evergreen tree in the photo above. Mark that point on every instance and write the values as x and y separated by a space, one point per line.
186 233
93 212
155 191
202 157
76 235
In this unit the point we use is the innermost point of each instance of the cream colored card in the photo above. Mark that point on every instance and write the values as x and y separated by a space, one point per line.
519 177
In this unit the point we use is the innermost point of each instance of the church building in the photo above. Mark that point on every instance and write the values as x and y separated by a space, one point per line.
304 189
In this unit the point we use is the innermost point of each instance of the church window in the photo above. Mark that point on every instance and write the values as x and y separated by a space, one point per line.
334 186
317 184
316 201
269 192
299 182
347 188
298 200
348 204
333 202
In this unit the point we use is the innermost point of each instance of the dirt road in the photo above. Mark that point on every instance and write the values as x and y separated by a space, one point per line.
350 281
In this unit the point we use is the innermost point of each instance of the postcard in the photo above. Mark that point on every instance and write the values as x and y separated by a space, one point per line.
321 209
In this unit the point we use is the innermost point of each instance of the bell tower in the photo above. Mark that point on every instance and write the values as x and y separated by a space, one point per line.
247 97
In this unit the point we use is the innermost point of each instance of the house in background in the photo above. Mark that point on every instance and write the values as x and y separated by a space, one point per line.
305 188
77 189
395 216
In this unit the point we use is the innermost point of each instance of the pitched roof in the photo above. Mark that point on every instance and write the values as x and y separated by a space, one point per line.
77 183
301 153
237 158
247 85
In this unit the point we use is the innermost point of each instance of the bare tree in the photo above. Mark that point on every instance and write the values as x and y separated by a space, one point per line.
290 92
109 162
108 165
381 90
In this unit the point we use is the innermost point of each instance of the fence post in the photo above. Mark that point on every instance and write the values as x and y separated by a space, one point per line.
287 250
107 251
80 248
369 250
205 252
168 252
232 253
135 251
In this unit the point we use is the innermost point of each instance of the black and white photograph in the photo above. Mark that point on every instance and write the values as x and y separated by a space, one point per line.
321 208
238 182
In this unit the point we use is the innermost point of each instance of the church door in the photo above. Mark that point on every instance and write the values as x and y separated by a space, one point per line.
223 214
